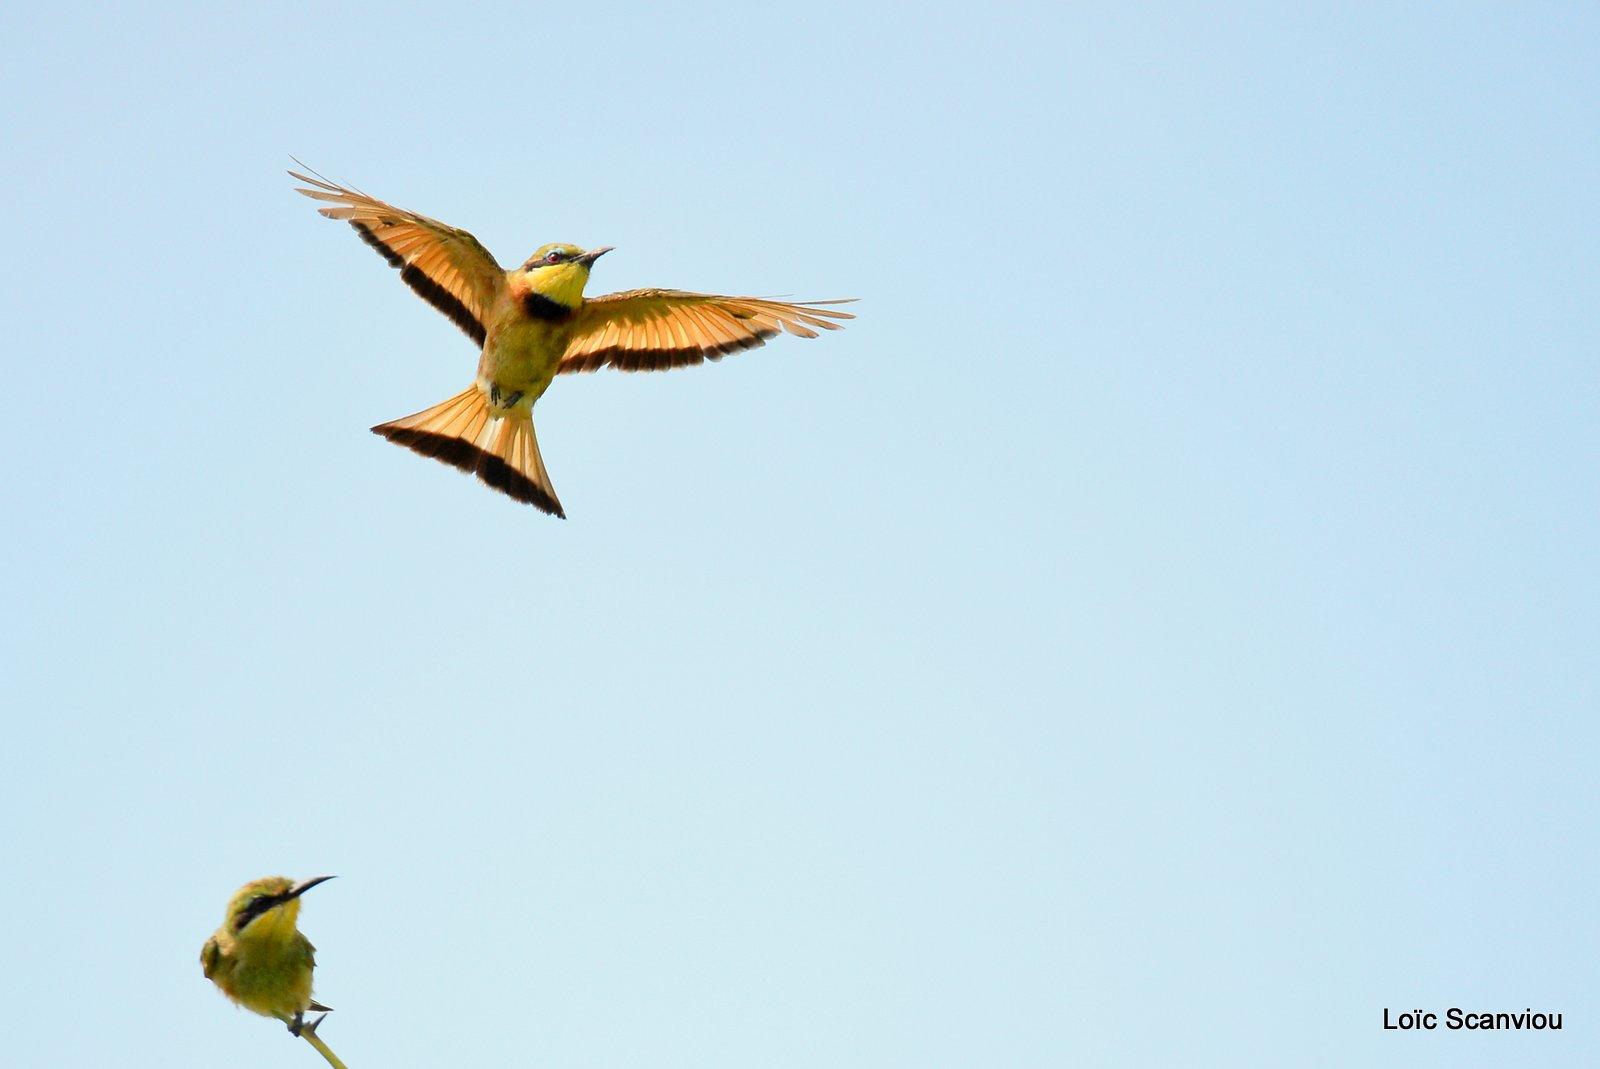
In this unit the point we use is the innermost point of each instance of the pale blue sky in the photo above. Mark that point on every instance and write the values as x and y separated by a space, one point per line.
1159 631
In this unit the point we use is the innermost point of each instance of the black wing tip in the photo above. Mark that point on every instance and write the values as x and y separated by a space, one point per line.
491 470
390 257
446 302
424 286
625 359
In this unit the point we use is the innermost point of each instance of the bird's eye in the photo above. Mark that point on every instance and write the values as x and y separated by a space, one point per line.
553 258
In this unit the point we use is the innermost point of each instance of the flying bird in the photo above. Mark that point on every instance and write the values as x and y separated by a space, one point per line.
259 958
532 323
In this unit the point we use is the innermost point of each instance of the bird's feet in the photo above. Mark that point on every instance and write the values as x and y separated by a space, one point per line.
301 1027
502 400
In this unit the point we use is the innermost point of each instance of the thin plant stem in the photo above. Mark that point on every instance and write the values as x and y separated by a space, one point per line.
311 1037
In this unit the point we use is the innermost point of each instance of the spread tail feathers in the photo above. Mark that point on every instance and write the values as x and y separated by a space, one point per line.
501 452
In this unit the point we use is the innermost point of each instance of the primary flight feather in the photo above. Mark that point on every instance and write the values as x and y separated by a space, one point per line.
532 323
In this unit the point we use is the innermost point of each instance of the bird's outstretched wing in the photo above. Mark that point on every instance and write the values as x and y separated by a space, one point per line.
447 267
651 330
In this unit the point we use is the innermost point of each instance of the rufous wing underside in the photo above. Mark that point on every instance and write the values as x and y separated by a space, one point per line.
655 329
447 267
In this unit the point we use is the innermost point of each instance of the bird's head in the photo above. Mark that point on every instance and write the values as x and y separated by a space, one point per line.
268 907
559 272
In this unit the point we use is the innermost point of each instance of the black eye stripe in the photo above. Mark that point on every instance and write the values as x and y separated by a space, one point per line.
259 905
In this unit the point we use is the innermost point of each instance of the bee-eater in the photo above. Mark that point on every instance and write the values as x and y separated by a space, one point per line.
258 957
533 323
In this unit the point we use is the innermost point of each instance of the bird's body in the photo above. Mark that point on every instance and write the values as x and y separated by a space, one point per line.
521 352
533 323
259 958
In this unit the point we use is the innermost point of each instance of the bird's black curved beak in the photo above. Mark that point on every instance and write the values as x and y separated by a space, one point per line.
592 255
303 886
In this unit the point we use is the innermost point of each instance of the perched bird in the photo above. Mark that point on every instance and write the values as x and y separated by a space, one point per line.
259 958
533 323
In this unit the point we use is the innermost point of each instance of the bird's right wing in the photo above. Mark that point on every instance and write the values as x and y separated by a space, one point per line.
447 267
650 330
210 956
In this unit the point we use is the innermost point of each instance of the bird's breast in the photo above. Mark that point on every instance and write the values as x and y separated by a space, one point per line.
522 354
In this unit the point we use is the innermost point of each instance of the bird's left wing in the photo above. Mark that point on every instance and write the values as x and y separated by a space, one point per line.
650 330
447 267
